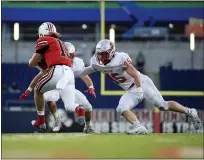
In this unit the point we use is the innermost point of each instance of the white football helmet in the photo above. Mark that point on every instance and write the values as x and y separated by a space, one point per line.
46 28
71 49
105 50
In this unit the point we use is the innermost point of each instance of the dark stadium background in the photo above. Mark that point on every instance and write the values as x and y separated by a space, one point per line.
158 30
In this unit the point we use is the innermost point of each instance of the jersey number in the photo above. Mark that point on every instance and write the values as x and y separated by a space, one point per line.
63 49
116 78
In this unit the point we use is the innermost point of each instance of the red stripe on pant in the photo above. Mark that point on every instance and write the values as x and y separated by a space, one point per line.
41 79
45 79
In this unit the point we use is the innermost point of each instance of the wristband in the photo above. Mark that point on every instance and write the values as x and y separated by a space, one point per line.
91 87
30 89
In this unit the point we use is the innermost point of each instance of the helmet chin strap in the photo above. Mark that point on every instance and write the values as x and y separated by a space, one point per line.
100 62
72 56
107 62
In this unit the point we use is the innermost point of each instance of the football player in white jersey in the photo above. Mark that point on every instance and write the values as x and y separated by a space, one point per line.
118 66
51 97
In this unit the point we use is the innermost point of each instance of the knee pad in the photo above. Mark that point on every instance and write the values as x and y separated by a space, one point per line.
163 107
70 107
51 96
88 107
160 103
121 108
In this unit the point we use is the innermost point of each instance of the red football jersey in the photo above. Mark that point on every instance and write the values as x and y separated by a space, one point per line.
53 50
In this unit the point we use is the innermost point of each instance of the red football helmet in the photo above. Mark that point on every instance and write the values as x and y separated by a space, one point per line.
105 50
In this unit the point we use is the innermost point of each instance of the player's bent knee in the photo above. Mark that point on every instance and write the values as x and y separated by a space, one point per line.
48 99
121 109
88 107
164 106
70 107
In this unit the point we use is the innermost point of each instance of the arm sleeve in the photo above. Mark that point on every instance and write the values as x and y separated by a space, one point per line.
83 72
126 60
42 45
80 64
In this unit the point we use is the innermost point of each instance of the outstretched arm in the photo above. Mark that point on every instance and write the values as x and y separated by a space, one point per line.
85 71
34 60
87 80
32 85
89 84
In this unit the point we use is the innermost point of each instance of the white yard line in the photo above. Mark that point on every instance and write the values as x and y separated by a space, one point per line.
44 136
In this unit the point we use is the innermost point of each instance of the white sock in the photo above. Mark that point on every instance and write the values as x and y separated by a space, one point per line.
41 113
55 115
87 124
187 110
137 123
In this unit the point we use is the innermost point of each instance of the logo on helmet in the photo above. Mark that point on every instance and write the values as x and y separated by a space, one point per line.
48 29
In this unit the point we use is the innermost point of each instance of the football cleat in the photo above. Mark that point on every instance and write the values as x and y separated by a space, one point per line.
57 125
138 130
37 124
89 129
193 115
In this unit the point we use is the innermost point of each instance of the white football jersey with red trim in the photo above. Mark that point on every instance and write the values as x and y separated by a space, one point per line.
78 64
115 69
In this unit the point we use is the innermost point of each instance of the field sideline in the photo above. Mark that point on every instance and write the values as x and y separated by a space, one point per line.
79 145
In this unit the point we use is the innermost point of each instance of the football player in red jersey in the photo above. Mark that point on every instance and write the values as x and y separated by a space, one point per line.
59 74
51 97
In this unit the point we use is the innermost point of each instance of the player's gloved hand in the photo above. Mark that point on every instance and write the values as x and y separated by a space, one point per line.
25 94
91 91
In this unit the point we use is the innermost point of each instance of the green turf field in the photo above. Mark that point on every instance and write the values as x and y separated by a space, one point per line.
79 145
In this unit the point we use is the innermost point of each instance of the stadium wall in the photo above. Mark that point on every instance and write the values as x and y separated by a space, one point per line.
93 14
156 53
16 114
104 120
